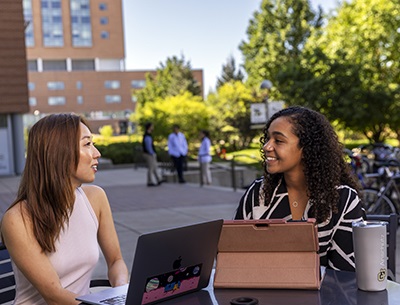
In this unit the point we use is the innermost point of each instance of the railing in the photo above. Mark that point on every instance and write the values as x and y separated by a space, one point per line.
232 169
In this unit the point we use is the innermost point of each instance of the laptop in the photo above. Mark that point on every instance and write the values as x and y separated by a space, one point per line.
167 264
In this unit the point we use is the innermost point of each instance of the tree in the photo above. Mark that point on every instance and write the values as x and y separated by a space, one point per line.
350 70
231 120
171 79
229 73
276 35
185 109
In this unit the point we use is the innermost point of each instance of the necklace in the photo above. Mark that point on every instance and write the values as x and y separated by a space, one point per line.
295 204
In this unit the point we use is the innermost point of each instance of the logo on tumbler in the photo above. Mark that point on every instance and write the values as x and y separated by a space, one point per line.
383 251
382 275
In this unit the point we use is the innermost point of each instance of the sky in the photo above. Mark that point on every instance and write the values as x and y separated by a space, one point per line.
206 32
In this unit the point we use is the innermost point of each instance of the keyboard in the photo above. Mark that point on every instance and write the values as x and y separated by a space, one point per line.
117 300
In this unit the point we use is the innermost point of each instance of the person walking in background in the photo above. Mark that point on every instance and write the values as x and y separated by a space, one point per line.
205 157
149 154
306 176
55 225
178 149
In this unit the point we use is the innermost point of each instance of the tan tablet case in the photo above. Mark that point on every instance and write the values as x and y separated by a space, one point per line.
268 254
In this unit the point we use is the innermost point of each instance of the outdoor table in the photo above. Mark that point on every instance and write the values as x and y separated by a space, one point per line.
338 288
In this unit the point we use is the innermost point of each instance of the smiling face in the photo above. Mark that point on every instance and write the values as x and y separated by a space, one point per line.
88 158
282 152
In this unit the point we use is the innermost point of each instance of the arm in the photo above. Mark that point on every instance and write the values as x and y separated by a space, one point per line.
341 253
148 145
248 201
184 145
107 235
29 258
203 149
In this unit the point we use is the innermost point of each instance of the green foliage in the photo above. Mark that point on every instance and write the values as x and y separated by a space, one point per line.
122 152
276 35
229 73
349 70
231 119
172 78
186 110
106 131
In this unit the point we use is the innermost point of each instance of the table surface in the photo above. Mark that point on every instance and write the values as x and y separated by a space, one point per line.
338 288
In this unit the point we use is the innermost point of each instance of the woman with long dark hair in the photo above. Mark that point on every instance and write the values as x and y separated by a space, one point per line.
54 227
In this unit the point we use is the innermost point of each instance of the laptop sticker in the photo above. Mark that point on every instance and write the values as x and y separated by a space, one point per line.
172 283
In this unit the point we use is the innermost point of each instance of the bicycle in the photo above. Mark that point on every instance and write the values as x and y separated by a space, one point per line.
385 200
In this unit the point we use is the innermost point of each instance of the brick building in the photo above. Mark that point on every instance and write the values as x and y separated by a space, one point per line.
76 61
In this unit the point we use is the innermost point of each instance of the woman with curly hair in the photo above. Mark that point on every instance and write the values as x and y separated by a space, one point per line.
306 176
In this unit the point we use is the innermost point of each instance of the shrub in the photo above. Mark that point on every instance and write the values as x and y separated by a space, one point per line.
106 131
122 153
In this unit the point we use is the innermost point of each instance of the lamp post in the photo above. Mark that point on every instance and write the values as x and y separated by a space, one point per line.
266 85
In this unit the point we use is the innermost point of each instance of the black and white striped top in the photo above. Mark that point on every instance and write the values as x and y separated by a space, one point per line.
335 234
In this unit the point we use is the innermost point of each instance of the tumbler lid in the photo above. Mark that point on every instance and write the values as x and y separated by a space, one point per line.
369 223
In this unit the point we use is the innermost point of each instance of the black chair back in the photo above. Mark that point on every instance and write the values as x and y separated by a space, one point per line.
7 281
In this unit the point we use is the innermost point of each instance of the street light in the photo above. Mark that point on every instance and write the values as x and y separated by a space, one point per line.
266 85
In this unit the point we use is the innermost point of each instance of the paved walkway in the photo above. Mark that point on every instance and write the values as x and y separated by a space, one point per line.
139 209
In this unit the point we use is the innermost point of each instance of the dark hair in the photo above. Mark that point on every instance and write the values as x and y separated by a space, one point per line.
147 125
206 133
324 165
46 188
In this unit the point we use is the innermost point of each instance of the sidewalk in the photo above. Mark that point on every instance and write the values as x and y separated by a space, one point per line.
138 209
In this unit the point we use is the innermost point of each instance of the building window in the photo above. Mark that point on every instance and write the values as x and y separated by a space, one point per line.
56 100
81 26
112 84
82 64
52 26
103 6
32 101
31 86
79 99
105 35
55 86
79 85
28 17
111 99
54 65
32 65
138 84
104 20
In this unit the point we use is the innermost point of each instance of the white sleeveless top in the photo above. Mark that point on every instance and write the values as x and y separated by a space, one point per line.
77 253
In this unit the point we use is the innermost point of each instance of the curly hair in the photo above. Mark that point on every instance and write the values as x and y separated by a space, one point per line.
323 159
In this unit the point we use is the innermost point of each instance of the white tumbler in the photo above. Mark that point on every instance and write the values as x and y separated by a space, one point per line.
370 252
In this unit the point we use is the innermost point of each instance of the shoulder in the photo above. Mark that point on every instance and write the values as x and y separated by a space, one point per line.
93 190
256 185
18 211
349 201
15 220
96 196
346 191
